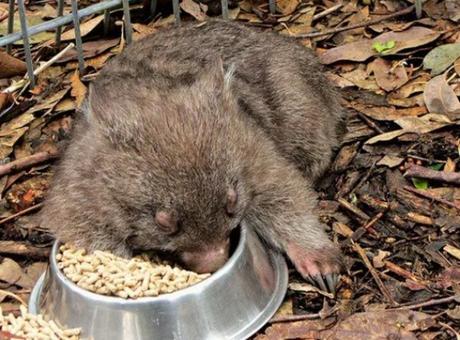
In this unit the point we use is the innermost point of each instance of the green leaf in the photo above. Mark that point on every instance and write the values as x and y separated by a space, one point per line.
383 47
436 166
441 57
420 183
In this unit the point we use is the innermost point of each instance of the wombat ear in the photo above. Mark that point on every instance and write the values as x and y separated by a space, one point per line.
232 201
166 221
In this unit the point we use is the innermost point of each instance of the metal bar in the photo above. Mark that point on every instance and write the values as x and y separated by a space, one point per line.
28 54
64 20
153 6
76 23
60 12
176 10
418 8
272 6
127 18
106 21
224 5
10 21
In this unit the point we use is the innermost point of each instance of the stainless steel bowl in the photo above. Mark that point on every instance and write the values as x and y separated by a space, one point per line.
233 303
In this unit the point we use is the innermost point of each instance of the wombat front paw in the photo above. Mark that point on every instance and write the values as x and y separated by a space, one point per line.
318 266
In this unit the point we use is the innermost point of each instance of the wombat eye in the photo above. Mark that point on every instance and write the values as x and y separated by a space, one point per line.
167 222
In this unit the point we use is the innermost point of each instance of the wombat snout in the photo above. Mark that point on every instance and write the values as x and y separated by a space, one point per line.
207 260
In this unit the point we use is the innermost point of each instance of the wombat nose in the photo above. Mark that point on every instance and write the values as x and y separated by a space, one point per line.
208 260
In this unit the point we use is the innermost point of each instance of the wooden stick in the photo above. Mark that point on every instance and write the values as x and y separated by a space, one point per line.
26 162
430 196
422 172
353 208
23 82
351 27
22 212
289 318
374 273
326 12
431 302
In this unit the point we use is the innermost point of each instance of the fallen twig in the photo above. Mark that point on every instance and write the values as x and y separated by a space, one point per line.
289 318
326 12
369 122
394 268
351 27
22 212
427 173
431 302
430 196
354 209
26 162
374 273
25 81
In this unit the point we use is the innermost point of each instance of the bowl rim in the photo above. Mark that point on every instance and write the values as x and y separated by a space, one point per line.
166 297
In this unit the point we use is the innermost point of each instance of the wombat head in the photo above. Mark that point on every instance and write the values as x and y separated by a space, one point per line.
171 162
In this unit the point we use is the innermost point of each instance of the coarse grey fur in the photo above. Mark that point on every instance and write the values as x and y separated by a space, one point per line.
183 116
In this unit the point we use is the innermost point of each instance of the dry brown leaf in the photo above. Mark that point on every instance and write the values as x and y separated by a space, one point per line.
48 12
7 142
440 98
338 80
286 7
361 79
3 11
457 66
375 325
50 102
250 17
90 49
66 104
453 251
387 112
5 99
306 288
85 28
416 100
362 50
194 9
78 89
11 66
387 76
391 162
302 24
141 31
450 165
416 85
10 271
418 125
36 269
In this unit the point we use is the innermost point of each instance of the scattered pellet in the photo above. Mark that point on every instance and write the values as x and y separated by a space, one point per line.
30 326
104 273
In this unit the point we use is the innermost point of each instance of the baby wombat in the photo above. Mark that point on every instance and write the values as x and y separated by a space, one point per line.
192 130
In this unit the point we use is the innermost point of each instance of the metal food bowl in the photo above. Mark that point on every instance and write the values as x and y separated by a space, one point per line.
233 303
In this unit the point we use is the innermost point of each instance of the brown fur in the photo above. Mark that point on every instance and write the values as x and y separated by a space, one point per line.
170 128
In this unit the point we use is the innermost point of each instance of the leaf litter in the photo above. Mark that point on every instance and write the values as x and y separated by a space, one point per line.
391 198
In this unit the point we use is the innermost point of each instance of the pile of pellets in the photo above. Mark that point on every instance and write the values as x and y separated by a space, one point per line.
30 326
106 274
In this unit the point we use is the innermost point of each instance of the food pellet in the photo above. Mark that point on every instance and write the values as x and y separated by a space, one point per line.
107 274
30 326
